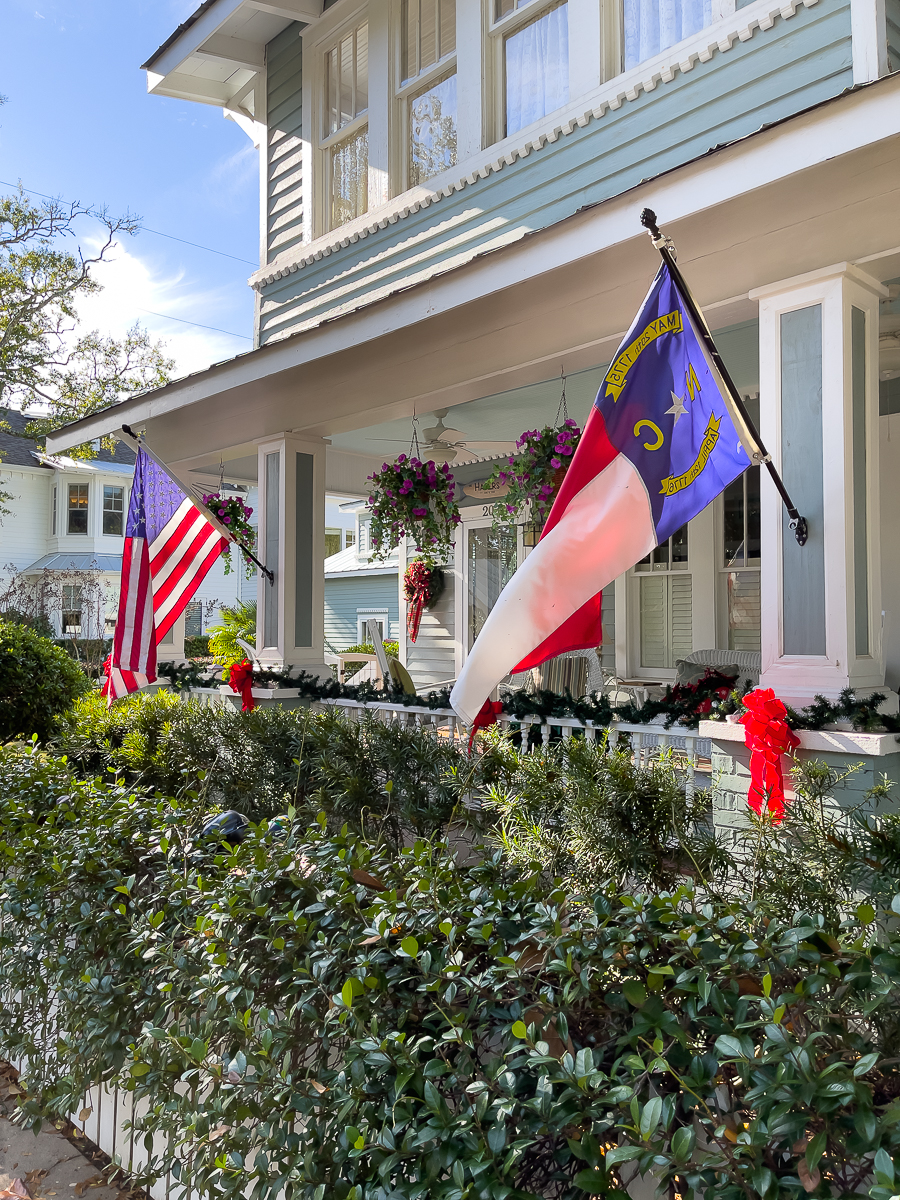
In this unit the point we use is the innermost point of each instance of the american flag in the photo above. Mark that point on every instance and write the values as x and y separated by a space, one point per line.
169 547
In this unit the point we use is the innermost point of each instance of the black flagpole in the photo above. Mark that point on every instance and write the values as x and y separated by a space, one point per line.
667 253
129 432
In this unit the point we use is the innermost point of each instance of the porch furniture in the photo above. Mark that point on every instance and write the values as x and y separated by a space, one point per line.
749 662
390 667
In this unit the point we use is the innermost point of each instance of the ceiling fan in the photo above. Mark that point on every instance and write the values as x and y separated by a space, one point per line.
452 445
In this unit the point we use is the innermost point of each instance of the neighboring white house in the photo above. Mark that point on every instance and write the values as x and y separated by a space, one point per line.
66 523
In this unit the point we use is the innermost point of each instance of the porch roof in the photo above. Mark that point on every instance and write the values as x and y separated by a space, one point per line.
558 298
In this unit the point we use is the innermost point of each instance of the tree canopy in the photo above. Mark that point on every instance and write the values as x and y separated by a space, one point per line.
46 360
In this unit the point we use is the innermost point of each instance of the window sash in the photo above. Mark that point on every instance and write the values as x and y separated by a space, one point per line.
78 508
431 122
536 68
348 178
428 35
113 510
346 80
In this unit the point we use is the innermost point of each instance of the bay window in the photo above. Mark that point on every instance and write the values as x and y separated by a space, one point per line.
345 135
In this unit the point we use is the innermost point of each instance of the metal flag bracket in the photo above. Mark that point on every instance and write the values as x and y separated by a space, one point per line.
666 248
138 440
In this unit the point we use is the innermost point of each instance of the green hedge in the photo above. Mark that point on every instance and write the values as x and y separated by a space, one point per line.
39 682
197 647
259 762
316 1012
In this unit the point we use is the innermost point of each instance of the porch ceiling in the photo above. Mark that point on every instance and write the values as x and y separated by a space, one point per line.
788 200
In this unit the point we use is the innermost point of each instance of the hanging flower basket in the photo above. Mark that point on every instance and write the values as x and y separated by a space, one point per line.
533 477
422 586
234 513
413 499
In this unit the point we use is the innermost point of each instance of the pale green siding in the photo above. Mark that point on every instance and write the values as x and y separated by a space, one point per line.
344 596
892 12
775 73
284 218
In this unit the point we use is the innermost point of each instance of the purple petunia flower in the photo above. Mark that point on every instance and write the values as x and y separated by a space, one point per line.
566 450
228 520
420 512
556 463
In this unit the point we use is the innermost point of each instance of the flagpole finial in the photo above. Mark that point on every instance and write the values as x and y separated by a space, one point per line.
648 220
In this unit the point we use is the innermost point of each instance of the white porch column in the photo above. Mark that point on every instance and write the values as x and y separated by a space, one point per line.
290 622
821 603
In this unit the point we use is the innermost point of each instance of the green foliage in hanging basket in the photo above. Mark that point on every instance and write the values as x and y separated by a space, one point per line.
234 513
413 499
533 476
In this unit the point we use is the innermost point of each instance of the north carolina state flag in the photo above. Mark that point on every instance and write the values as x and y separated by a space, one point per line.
658 446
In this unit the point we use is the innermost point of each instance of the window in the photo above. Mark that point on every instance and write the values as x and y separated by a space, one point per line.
363 616
193 619
332 542
349 538
78 508
666 630
345 139
432 130
113 510
428 62
654 26
740 561
429 34
491 555
71 614
536 68
53 503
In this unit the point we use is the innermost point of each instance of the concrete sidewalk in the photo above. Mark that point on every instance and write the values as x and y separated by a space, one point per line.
49 1165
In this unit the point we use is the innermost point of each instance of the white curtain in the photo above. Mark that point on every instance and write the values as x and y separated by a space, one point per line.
537 69
655 25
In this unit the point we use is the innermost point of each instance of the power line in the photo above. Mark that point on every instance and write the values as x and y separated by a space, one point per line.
147 229
214 328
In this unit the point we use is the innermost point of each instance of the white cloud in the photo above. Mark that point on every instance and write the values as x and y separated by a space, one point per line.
133 290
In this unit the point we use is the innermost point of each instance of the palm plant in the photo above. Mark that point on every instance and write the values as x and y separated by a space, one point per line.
237 621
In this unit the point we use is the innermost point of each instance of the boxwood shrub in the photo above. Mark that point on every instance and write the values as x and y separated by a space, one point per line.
313 1013
39 682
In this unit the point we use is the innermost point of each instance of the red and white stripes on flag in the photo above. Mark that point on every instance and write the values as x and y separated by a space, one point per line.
169 547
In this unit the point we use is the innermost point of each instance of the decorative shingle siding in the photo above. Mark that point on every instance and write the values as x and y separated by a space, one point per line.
284 218
774 73
344 596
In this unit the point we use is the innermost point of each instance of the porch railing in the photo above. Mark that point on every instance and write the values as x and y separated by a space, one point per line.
647 741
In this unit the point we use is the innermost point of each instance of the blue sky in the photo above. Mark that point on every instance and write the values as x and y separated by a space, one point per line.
79 124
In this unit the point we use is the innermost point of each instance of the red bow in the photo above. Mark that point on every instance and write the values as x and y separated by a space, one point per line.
241 679
487 715
107 671
768 736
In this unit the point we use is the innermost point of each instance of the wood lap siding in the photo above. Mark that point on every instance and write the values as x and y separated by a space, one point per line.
284 143
795 64
344 596
431 658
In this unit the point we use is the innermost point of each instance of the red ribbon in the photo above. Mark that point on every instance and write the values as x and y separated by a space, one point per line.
241 679
768 735
487 715
415 607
